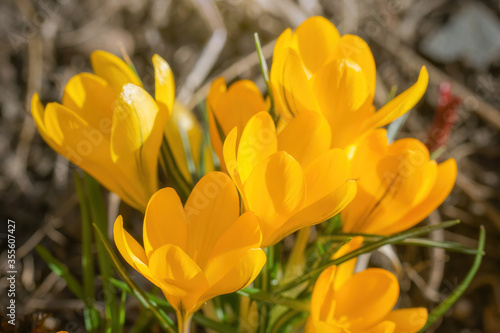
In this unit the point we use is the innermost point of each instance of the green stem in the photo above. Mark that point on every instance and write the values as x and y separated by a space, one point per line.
98 214
184 321
453 297
449 246
169 165
367 248
91 314
265 74
197 317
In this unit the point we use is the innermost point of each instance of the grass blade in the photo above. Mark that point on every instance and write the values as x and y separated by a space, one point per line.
98 214
424 242
365 249
91 314
265 74
453 297
257 294
61 270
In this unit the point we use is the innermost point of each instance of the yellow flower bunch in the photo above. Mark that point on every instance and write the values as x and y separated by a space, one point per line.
315 69
110 126
311 153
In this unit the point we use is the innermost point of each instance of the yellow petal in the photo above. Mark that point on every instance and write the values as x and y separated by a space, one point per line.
383 327
77 138
372 148
240 275
87 148
113 69
397 180
244 234
343 96
257 142
323 327
315 137
323 297
38 113
215 94
316 40
232 107
291 87
325 173
131 251
164 221
346 269
180 278
212 207
283 42
136 136
315 213
275 189
133 121
92 98
379 290
356 49
164 84
408 320
445 179
401 103
231 163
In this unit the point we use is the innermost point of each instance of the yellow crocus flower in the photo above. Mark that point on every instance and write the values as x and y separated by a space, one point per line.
291 180
110 126
398 184
199 251
315 69
231 107
362 303
336 305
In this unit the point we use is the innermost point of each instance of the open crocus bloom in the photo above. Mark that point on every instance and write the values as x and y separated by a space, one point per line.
233 107
398 184
315 69
290 180
110 126
362 303
199 251
343 302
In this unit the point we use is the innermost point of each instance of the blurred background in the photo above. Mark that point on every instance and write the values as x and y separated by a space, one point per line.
45 42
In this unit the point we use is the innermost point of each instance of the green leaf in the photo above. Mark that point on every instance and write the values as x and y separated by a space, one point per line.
259 295
121 310
206 138
91 315
62 271
172 170
265 74
220 131
365 249
424 242
98 214
165 322
453 297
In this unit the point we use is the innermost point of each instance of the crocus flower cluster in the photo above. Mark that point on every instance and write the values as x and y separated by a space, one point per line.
321 152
